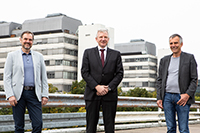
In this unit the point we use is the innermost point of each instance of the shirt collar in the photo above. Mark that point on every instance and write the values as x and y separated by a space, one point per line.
25 53
102 48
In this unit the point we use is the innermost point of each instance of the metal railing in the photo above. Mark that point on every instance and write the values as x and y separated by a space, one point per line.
56 120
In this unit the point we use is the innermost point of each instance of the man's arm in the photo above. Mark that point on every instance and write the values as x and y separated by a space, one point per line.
118 74
85 71
159 81
45 87
159 85
8 69
193 77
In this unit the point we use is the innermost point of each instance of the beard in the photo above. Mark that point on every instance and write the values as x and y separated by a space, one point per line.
27 48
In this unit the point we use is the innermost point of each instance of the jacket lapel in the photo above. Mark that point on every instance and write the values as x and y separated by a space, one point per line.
107 56
21 60
34 63
167 66
96 53
181 60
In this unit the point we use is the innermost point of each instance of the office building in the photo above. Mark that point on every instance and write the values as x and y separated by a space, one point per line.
140 64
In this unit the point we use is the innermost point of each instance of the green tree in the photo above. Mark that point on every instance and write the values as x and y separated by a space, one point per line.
52 89
1 89
138 92
78 87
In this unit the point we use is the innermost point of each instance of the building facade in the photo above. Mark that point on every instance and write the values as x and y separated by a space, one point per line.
140 64
55 38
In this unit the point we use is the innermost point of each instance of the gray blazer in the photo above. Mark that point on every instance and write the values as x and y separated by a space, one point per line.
14 75
187 76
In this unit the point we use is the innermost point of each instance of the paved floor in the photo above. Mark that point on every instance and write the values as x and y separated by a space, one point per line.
194 128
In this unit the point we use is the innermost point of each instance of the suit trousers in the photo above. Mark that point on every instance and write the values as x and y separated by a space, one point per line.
29 100
92 115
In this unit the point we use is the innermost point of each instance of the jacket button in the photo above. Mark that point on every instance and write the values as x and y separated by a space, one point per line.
102 74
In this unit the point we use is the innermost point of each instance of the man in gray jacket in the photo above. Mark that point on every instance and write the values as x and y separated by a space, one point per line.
176 85
25 83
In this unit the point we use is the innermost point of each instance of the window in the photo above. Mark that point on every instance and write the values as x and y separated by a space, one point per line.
58 62
1 76
47 62
50 75
70 75
125 84
1 65
144 84
136 60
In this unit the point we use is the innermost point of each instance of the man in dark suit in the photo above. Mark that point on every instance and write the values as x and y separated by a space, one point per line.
176 85
103 71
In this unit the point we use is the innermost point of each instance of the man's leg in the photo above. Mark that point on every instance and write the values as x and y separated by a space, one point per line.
35 111
170 112
92 115
183 117
109 112
18 114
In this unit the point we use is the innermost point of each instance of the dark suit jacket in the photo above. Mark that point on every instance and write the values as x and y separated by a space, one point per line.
187 76
94 74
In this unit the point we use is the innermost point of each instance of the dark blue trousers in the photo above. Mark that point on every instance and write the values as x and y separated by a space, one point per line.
29 100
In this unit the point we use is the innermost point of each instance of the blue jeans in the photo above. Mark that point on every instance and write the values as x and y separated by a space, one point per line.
171 108
29 100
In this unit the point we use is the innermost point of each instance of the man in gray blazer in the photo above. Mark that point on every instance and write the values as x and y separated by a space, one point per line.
25 83
176 85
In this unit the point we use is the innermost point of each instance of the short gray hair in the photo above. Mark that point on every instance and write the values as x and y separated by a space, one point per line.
102 30
177 35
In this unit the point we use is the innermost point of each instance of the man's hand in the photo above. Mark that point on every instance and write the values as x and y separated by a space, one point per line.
12 100
183 100
159 103
101 90
44 100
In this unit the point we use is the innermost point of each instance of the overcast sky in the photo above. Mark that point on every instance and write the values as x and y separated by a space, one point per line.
151 20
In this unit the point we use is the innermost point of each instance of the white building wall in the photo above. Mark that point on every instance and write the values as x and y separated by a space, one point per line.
130 80
86 39
162 53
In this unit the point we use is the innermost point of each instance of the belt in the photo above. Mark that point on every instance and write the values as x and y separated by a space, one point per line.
29 88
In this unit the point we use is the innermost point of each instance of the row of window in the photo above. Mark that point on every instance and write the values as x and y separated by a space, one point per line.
139 84
61 62
146 59
59 51
42 41
55 63
63 75
51 52
139 75
56 75
56 40
140 68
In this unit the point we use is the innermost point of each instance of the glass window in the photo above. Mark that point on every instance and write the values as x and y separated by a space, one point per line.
47 62
70 75
50 75
58 62
1 76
